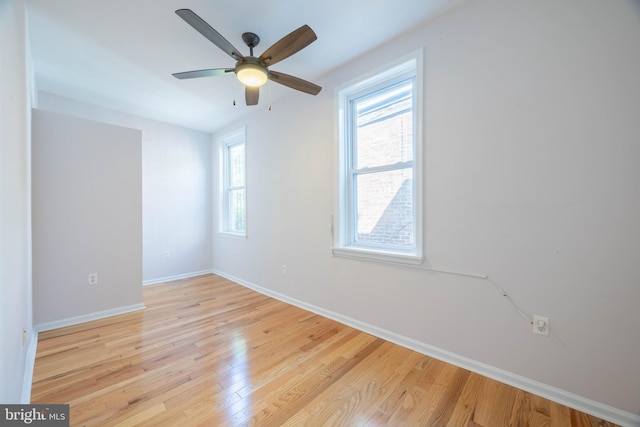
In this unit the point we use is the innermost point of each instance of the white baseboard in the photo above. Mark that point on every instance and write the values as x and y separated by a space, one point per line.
87 317
30 362
583 404
176 277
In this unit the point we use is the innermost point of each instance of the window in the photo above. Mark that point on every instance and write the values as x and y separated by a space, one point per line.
380 203
233 204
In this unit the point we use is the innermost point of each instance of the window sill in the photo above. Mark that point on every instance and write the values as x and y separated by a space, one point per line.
242 236
377 255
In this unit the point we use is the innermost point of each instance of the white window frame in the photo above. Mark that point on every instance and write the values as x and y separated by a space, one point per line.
344 243
224 143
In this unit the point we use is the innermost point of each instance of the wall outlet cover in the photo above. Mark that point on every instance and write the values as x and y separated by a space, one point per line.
541 325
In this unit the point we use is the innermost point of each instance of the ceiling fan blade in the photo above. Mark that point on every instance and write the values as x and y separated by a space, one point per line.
251 95
295 83
206 30
202 73
288 45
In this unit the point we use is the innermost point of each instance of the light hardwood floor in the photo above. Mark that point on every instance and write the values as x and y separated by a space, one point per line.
209 352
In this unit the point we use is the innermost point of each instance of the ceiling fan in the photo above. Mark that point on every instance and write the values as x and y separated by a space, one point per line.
253 71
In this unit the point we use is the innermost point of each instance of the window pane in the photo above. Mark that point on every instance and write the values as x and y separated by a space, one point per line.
384 133
232 195
385 207
236 165
237 210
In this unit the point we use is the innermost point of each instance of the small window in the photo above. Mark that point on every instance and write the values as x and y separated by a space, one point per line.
380 212
233 198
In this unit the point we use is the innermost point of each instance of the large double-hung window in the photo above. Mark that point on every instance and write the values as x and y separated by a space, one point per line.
233 205
380 209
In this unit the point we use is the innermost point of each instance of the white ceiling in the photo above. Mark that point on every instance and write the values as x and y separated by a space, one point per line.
120 54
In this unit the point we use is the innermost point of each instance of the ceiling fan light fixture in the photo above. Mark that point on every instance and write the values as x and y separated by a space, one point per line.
252 74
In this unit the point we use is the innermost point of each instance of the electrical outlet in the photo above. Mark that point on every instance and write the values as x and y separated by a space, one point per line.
541 325
167 254
93 279
284 268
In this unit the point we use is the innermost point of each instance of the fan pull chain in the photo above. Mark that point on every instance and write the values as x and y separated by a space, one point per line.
269 94
235 91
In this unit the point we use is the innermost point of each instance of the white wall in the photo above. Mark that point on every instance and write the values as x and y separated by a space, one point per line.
531 151
15 220
176 195
87 217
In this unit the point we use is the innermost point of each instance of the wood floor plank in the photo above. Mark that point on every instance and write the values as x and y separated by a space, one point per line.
367 387
447 401
559 415
207 351
465 406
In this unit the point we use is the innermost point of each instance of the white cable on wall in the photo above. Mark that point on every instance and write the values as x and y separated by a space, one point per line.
475 276
495 284
508 298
